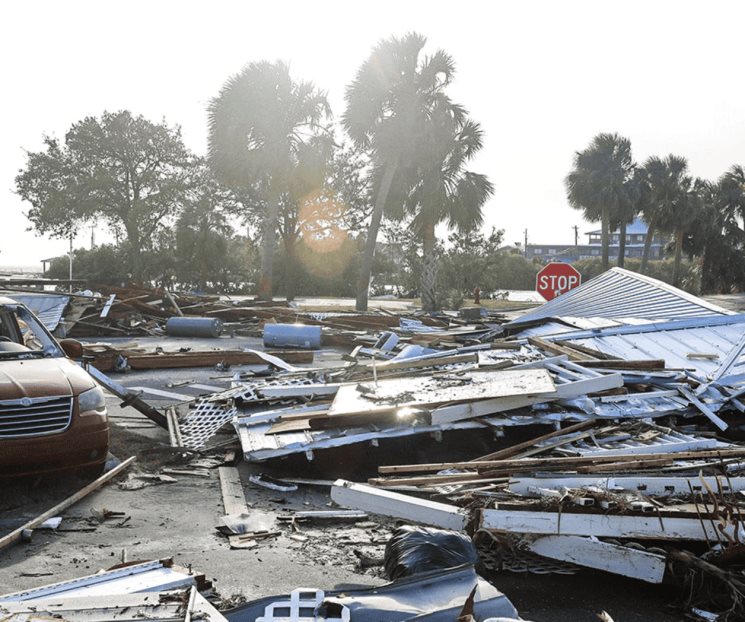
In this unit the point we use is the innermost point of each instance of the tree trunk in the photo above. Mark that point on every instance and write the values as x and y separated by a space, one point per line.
651 228
269 239
605 234
678 256
709 283
429 269
291 269
135 254
363 282
622 245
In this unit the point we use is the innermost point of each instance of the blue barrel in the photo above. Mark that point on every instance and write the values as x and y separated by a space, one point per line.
292 336
194 327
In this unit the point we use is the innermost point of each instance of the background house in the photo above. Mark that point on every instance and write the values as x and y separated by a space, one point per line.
636 235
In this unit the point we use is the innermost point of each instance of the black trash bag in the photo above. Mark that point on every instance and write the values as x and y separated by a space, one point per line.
412 550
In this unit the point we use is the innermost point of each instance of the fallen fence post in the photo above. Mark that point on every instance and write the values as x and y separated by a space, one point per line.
128 397
17 535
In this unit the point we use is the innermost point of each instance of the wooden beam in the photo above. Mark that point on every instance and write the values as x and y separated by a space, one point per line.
603 525
231 487
16 535
395 505
128 397
556 463
592 553
177 360
652 485
641 364
555 348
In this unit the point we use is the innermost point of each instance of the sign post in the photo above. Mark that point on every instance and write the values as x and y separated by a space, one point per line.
556 278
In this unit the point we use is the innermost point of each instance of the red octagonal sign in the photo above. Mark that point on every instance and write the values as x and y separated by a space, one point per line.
555 279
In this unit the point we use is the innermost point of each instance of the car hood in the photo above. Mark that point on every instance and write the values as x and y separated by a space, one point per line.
41 378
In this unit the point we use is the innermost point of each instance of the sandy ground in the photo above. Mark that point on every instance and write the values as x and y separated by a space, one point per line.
178 520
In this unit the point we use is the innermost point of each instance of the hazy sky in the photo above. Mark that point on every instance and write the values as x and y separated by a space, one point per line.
541 77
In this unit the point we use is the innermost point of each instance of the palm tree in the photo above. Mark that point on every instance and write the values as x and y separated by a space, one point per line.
655 171
599 183
731 193
388 106
716 235
636 195
258 126
671 204
446 191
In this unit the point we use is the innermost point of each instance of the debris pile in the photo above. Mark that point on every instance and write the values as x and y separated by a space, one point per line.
636 466
602 430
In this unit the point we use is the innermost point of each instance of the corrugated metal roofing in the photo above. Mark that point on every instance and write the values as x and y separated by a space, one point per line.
671 341
567 324
49 308
618 294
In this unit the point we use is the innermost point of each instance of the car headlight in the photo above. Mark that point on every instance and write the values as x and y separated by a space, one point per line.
92 402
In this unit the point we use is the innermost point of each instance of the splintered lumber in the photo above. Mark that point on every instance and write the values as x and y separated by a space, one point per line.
395 505
17 534
555 348
558 463
516 449
593 553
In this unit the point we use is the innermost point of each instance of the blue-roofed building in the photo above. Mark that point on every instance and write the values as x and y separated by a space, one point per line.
636 235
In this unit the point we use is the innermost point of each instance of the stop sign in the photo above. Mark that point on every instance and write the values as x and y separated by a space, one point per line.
555 279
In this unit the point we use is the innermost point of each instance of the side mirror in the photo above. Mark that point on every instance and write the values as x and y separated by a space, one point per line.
72 348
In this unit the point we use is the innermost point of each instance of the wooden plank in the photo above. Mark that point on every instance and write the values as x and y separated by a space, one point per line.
233 498
627 465
173 303
299 390
642 364
128 397
471 357
652 485
517 448
425 480
600 525
107 306
395 505
481 408
555 348
717 421
16 535
179 360
556 463
592 553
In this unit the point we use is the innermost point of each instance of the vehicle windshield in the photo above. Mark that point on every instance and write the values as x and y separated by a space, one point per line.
22 335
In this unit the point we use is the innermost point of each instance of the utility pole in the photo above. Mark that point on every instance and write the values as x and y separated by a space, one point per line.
70 284
525 248
576 235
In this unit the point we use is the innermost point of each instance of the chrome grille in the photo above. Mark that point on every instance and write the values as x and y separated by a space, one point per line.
34 416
